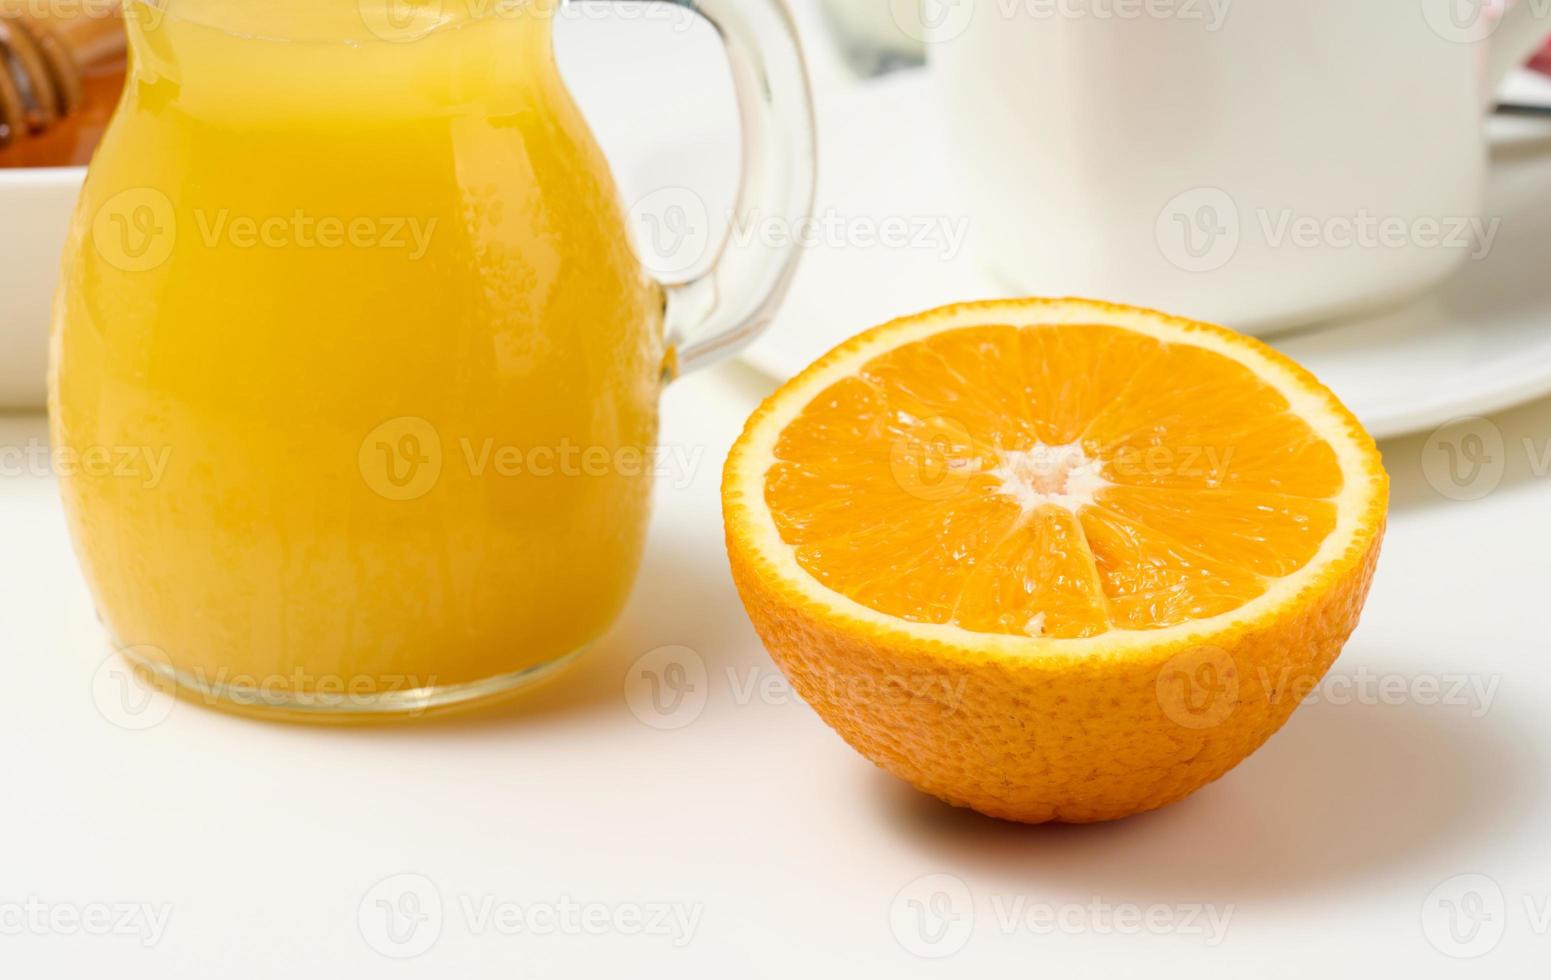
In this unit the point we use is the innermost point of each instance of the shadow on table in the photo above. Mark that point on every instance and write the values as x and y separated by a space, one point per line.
1454 467
1342 792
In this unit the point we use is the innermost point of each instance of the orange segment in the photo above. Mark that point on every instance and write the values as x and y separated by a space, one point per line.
1039 557
957 377
1183 390
897 567
1154 580
1039 580
1276 452
1269 534
1073 372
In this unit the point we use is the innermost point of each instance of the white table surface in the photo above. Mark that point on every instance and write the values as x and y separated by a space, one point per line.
264 840
169 840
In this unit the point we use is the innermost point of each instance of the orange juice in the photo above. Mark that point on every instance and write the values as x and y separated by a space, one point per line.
363 288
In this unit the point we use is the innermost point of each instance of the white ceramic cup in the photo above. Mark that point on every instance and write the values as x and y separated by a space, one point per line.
35 206
1260 163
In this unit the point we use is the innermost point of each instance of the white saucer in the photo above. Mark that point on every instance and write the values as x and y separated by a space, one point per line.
1479 343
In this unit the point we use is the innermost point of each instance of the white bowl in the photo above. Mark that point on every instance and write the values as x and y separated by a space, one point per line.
35 208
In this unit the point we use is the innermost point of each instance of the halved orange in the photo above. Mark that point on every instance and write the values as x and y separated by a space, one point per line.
1054 559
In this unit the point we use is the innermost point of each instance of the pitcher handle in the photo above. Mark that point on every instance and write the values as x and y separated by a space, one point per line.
727 306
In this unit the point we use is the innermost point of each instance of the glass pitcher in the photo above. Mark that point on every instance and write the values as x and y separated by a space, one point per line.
350 313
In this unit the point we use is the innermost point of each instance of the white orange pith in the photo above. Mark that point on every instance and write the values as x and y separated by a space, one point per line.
1045 502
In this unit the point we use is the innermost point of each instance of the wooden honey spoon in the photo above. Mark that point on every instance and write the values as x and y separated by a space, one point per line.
42 60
